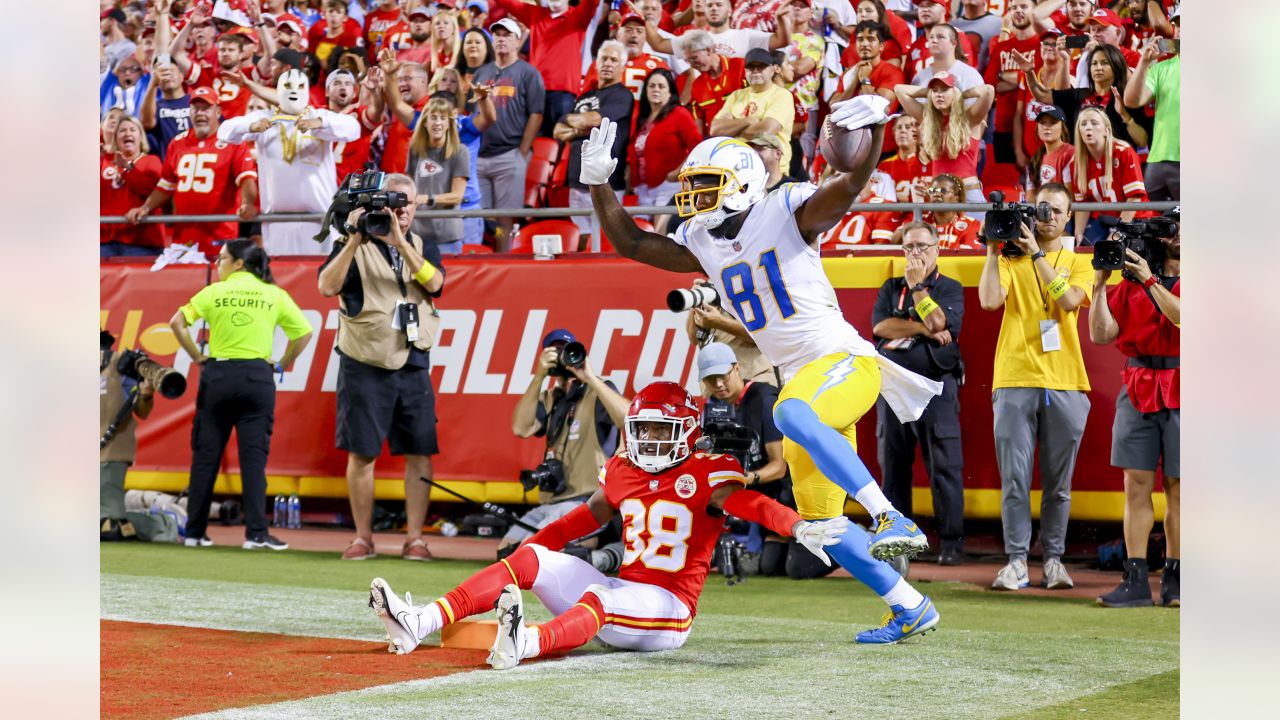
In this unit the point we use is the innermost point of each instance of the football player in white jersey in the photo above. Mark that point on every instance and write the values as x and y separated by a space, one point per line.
761 249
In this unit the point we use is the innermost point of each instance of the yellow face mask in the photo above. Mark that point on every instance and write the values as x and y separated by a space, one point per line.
687 198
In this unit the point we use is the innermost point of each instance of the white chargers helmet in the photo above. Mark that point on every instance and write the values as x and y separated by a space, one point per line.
738 181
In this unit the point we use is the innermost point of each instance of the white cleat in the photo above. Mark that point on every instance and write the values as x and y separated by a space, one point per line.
399 616
506 647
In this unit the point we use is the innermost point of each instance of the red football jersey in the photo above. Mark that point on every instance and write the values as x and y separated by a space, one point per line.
1054 164
707 95
233 98
321 44
904 172
668 533
1126 178
633 75
204 177
350 157
860 228
378 22
1001 61
963 232
121 191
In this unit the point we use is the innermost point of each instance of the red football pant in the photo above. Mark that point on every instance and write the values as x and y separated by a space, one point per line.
572 628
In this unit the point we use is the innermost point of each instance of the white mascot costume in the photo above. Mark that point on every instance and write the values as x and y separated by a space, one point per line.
296 171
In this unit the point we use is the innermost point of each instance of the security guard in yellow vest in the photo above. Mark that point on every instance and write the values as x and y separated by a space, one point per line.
386 327
237 387
579 415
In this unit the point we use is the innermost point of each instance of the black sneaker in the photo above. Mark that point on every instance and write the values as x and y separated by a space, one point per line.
951 556
265 541
1133 591
1171 584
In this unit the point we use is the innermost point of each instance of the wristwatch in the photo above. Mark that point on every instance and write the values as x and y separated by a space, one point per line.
1150 282
919 287
1038 254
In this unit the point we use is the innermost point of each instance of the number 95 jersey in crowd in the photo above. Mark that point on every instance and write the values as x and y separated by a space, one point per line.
668 533
773 281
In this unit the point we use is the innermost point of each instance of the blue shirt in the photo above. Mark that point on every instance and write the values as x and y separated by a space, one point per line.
172 117
470 137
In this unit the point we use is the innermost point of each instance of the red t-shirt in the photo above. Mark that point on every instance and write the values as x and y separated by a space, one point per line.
707 94
1144 330
1054 164
860 228
1001 60
964 166
962 233
322 45
555 43
668 534
233 98
119 192
658 149
633 75
395 153
1126 178
378 22
1031 107
351 157
204 177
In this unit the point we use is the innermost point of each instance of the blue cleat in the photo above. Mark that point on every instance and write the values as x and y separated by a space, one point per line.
896 535
900 623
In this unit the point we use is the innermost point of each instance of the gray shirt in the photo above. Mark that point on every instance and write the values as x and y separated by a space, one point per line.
518 93
434 175
987 26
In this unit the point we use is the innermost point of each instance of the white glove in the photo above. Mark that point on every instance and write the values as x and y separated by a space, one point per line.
597 154
861 111
814 535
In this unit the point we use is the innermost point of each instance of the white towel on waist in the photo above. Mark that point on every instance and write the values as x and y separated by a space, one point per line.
907 393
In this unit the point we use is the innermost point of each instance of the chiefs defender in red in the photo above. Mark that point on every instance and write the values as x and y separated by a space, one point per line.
670 498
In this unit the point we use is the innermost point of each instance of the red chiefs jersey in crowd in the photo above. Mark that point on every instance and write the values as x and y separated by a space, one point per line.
668 533
707 94
204 178
1126 178
350 157
378 22
904 172
1053 164
860 228
122 189
1001 61
233 97
962 233
633 75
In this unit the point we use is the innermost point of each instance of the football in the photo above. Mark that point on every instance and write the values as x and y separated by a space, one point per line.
844 149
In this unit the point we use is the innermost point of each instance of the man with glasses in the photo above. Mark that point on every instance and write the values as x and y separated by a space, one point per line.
917 325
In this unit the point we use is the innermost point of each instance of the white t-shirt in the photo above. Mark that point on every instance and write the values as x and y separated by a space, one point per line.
733 42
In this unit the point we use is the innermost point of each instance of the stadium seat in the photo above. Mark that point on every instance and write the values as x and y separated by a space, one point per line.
522 243
538 175
1000 176
475 249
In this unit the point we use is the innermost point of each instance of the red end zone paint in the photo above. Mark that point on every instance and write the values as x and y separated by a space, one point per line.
163 671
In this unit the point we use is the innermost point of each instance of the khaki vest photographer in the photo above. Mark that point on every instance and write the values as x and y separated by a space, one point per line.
577 446
367 336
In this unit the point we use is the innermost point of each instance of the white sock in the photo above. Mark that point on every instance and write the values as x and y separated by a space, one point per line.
431 619
532 640
903 594
872 498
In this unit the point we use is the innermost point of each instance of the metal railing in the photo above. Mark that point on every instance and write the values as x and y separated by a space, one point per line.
916 209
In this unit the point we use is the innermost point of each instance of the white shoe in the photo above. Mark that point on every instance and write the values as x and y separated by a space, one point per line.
198 542
511 630
400 617
1012 576
1055 575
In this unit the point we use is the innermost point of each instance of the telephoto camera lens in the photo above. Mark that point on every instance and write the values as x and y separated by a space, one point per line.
682 300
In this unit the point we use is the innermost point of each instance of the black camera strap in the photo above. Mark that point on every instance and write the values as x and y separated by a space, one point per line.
125 409
560 435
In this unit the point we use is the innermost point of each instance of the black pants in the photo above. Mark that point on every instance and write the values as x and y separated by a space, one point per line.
938 434
238 394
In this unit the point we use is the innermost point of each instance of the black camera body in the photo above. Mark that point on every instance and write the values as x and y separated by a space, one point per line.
572 355
365 191
1144 237
548 477
1005 220
721 433
135 364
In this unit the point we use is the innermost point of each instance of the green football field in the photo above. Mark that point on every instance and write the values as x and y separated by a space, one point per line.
767 648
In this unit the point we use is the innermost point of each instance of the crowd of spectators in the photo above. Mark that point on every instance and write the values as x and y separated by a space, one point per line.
1082 92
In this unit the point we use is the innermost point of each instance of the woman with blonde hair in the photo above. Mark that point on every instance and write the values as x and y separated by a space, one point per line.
440 165
446 41
448 79
950 129
1104 169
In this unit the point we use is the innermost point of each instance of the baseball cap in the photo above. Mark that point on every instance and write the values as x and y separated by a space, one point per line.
115 14
241 34
451 4
484 6
943 78
1050 34
1052 111
715 359
1175 15
557 335
631 17
1105 16
205 93
767 140
334 76
507 24
289 57
293 26
422 10
758 56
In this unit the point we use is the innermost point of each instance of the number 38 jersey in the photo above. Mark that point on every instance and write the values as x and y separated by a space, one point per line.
773 281
668 534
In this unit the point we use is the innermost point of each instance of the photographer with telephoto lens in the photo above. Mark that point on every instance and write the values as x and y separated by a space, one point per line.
709 323
1040 385
578 414
1142 315
386 279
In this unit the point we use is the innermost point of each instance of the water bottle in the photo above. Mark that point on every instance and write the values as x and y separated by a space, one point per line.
279 514
295 511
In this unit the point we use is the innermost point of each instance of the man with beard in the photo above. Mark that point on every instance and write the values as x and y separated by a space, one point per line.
343 95
639 63
410 38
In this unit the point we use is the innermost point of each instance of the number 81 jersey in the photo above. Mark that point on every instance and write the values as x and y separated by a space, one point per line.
773 281
668 535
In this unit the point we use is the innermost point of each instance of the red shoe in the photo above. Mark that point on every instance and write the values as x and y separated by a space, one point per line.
416 550
359 549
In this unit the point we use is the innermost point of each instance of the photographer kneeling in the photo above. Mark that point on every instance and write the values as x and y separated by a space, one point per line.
385 283
738 421
1142 316
579 415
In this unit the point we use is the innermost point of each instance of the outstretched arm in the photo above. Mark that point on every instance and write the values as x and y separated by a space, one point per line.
582 520
829 204
628 239
751 505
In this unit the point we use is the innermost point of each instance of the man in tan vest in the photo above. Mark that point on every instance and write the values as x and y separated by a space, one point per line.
387 325
578 415
709 323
